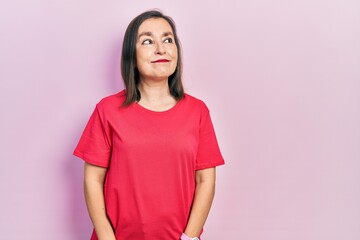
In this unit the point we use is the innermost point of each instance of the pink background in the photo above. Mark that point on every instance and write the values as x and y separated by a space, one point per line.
282 81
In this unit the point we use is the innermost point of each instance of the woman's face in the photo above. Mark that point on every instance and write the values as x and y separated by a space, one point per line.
156 51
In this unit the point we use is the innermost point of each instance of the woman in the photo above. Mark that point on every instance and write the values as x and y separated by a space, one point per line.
150 150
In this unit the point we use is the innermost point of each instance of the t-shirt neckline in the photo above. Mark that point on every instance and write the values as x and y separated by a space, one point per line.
138 106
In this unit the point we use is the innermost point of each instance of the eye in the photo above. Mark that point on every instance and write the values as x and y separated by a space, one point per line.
168 40
147 42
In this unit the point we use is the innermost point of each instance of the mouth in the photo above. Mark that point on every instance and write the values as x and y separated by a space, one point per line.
161 61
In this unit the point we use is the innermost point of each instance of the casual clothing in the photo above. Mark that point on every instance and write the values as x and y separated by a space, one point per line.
151 159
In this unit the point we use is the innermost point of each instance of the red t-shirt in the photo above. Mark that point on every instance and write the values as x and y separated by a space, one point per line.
151 159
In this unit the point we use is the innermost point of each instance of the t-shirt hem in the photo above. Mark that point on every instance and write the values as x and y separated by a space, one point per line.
88 160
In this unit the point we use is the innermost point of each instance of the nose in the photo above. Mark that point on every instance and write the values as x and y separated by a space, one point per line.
160 49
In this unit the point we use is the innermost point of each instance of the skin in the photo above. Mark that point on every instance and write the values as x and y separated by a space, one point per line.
94 177
155 41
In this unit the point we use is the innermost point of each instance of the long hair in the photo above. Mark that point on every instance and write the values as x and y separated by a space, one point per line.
129 71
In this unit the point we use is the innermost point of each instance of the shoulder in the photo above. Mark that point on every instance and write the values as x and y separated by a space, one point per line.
195 102
111 104
113 100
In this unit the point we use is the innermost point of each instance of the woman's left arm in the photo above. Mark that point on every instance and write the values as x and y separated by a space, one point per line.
204 195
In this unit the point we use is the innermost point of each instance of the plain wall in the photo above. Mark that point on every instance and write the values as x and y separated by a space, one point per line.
282 81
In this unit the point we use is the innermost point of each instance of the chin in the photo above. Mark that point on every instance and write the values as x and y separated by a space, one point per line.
162 75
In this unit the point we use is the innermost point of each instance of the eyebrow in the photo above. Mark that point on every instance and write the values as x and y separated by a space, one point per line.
165 34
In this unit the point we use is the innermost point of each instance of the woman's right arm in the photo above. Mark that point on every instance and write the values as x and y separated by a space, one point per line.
94 177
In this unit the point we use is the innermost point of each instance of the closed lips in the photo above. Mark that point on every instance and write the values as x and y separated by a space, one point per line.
161 60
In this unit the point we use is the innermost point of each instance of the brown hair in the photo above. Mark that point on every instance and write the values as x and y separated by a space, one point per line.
129 71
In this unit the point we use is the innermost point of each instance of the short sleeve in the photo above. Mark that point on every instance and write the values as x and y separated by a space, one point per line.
208 154
94 145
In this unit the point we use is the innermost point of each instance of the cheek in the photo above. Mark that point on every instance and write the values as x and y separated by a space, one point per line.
174 51
144 52
142 59
175 57
141 55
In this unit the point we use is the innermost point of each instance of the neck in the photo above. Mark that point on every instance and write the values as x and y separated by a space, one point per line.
154 90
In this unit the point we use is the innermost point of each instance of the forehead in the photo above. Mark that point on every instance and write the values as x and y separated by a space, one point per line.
155 26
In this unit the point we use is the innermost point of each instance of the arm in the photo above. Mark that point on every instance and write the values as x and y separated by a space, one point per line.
204 195
94 195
